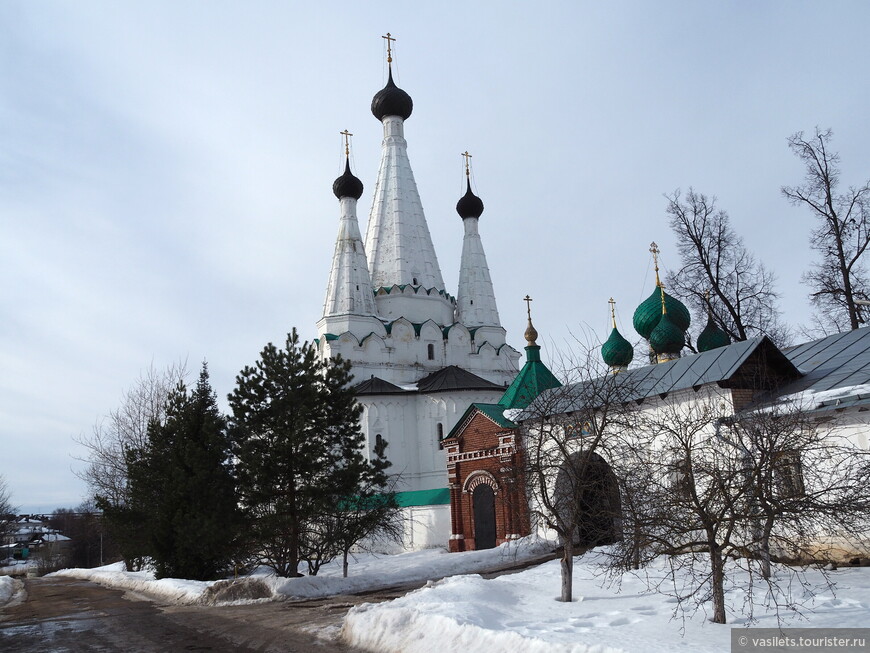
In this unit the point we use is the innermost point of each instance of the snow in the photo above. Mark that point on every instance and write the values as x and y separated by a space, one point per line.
519 612
7 588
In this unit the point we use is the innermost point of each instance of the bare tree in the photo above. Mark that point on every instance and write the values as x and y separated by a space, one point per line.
772 484
718 274
572 438
841 237
125 429
7 510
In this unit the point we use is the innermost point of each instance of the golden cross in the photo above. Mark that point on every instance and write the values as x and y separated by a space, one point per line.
655 252
612 311
528 301
467 157
389 50
347 136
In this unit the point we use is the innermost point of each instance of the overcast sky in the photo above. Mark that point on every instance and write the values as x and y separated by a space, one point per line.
166 170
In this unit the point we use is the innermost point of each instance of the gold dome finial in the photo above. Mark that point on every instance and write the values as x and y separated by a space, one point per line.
612 303
347 136
531 334
389 49
664 308
655 252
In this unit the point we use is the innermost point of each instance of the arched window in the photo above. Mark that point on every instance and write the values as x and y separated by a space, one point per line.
379 442
431 349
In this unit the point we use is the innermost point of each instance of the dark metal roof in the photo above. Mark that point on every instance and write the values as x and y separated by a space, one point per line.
838 361
454 378
376 386
737 365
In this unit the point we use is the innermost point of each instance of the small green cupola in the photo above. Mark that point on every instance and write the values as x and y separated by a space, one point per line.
534 378
617 352
667 338
649 313
713 336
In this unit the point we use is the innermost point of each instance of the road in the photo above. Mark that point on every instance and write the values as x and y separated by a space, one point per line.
63 615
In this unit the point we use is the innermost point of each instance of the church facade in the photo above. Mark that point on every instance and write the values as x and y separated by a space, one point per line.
421 355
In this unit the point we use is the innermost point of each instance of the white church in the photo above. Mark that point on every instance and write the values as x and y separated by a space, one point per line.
421 356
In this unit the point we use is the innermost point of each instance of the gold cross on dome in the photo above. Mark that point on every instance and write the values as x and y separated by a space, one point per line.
654 249
389 49
612 303
528 301
467 173
347 136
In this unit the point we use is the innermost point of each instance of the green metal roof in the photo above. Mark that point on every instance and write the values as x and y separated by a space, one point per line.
437 497
533 379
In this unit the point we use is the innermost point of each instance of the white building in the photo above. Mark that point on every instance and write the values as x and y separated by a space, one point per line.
420 355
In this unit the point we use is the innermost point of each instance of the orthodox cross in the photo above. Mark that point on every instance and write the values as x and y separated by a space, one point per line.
467 173
612 311
389 49
347 136
655 252
528 301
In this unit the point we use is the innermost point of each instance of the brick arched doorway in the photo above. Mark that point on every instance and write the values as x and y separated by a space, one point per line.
483 502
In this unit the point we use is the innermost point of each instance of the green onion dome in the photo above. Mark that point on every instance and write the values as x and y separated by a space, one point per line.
667 337
712 337
617 351
649 313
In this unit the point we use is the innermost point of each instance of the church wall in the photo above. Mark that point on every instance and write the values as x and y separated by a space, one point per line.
410 425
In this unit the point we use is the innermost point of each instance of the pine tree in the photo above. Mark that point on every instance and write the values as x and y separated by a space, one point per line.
298 447
183 487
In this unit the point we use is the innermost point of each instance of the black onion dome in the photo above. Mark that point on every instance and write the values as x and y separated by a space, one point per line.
469 205
392 101
347 185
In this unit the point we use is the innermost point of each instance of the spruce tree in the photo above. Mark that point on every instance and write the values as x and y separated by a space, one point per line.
297 444
183 487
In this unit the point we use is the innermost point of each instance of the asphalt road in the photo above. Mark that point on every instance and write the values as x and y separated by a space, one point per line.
68 615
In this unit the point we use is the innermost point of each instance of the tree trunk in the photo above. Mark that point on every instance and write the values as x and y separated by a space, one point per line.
717 579
567 566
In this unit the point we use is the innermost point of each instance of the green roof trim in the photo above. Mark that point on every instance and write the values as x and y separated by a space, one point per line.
437 497
533 379
330 336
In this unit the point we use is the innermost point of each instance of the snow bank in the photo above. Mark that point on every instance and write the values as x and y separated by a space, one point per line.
372 572
519 613
366 572
173 590
7 589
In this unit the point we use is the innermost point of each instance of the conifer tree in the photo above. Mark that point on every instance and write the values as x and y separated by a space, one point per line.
183 487
298 446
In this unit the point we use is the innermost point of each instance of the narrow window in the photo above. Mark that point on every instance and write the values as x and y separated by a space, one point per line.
379 444
431 350
440 431
789 474
415 281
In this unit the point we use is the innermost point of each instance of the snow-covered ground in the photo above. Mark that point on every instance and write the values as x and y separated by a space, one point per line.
520 613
